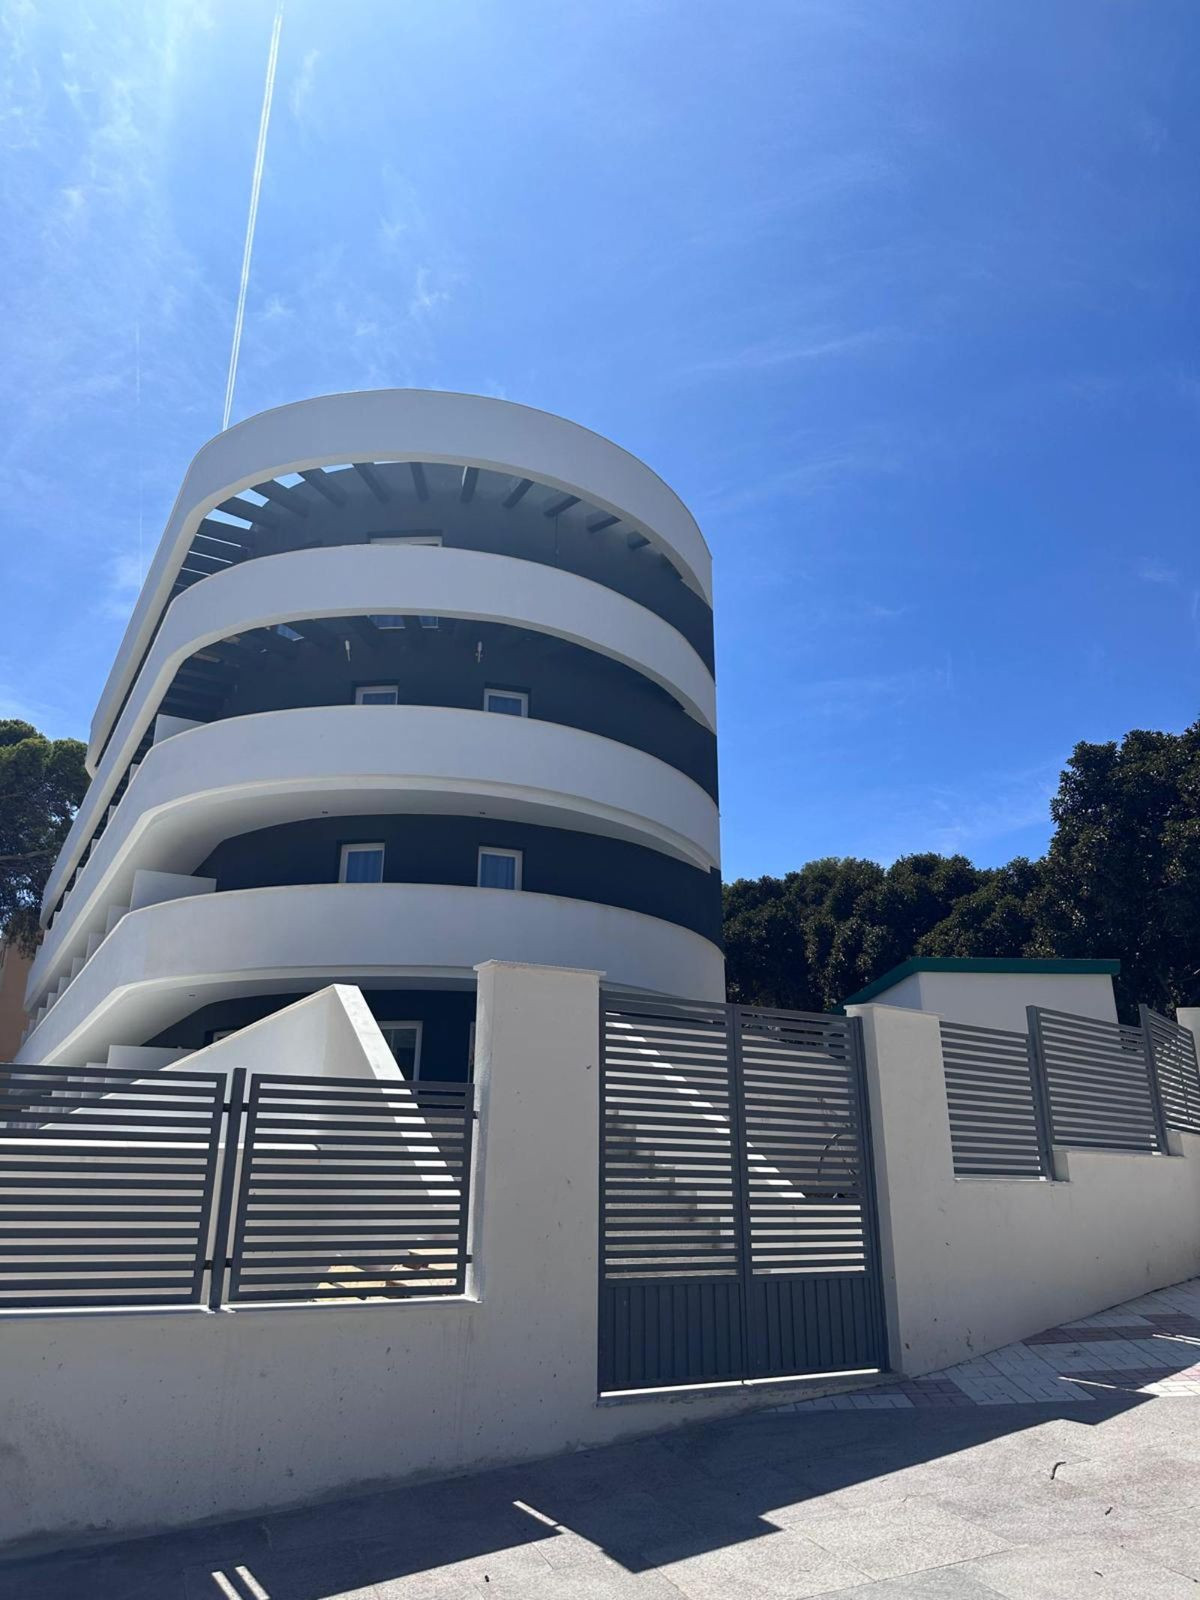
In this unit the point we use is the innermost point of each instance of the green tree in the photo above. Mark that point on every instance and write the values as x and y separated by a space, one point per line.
808 939
1122 875
999 918
41 784
1121 878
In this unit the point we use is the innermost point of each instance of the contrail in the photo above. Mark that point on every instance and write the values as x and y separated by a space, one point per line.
255 186
137 437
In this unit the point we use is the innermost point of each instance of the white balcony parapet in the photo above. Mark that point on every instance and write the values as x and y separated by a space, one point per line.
404 425
244 773
151 888
168 960
365 579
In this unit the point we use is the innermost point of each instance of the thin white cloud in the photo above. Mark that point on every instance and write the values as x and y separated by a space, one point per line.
1157 572
302 88
773 353
855 698
970 819
427 295
123 582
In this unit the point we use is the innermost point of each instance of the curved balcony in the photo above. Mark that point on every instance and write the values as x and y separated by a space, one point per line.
212 783
413 425
350 581
165 961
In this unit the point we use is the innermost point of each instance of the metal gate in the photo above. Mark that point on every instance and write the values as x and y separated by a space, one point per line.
737 1212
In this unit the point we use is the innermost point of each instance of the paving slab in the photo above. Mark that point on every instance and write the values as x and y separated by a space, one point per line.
890 1537
1078 1569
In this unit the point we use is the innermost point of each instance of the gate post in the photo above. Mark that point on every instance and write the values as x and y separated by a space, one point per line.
1043 1111
868 1187
741 1168
1156 1099
229 1165
913 1170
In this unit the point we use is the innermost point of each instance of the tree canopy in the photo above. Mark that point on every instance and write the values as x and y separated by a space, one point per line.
41 784
1121 878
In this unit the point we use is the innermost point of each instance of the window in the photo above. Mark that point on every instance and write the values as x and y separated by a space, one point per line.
406 538
499 869
404 1041
508 702
377 694
284 632
397 621
361 863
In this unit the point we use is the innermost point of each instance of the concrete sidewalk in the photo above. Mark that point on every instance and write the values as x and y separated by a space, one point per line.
963 1488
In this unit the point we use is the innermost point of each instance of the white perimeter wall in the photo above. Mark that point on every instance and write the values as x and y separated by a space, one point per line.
973 1263
115 1423
998 999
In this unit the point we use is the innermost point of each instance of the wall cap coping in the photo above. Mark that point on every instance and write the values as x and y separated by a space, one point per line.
535 966
1019 966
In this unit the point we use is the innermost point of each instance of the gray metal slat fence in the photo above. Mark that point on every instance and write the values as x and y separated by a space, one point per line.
174 1189
991 1095
1174 1052
736 1195
1075 1081
106 1186
1099 1083
351 1189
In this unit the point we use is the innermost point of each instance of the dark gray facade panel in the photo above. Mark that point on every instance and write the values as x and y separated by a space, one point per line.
442 667
524 532
435 849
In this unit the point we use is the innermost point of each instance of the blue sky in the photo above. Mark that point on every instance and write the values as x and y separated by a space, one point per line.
901 297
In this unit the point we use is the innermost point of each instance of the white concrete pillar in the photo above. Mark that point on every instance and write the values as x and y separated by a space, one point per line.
535 1195
1189 1017
914 1163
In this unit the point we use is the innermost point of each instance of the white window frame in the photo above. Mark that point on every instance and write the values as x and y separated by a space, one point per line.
418 1027
394 619
498 850
358 849
377 688
509 694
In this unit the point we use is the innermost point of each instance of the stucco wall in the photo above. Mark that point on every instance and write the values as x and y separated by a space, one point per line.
116 1423
971 1264
999 999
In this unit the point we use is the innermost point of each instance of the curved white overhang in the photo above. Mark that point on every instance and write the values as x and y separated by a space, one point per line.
404 425
163 962
212 783
353 580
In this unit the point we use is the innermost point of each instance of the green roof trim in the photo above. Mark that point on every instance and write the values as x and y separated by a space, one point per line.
1016 965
